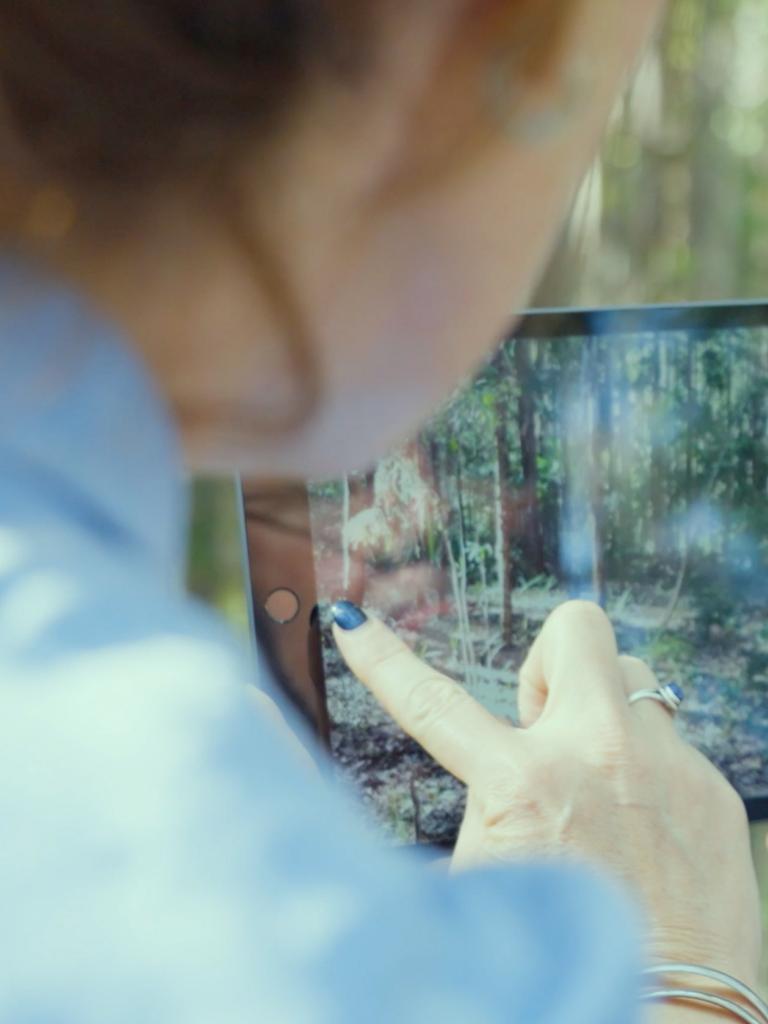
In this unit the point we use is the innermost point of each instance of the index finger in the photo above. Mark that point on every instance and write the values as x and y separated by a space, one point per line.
573 666
432 708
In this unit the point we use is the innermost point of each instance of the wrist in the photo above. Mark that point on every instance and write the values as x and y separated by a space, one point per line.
734 993
697 1013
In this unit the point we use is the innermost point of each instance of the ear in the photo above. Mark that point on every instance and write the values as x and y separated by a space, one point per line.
492 62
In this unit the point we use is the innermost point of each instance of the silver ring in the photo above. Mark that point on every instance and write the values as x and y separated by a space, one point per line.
670 695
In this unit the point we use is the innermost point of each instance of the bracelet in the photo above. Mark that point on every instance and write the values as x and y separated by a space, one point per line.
726 980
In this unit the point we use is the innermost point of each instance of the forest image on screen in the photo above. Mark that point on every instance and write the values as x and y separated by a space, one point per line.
629 469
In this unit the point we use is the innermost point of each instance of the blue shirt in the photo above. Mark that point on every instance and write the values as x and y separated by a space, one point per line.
164 856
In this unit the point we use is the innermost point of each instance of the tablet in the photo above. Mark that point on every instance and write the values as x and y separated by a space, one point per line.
619 455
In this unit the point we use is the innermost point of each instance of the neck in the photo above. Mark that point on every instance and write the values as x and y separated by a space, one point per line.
196 313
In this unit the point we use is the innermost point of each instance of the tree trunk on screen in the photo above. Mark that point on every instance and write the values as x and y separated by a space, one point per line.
604 428
533 548
504 523
465 620
595 484
622 463
759 422
453 542
498 518
690 410
438 458
657 481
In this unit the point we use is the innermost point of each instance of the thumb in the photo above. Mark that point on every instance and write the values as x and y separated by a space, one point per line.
573 668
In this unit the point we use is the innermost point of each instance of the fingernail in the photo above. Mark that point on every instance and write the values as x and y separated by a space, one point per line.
347 615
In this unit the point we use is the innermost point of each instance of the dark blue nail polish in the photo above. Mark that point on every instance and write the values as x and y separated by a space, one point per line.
347 615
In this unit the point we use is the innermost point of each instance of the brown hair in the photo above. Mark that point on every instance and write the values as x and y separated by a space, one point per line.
135 90
131 90
106 101
109 99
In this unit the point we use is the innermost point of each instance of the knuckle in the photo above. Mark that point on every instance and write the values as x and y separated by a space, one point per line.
613 747
386 648
615 757
512 797
430 700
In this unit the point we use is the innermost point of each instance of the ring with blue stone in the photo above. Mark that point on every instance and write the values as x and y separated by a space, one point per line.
671 695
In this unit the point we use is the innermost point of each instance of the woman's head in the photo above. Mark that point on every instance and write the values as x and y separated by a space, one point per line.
314 216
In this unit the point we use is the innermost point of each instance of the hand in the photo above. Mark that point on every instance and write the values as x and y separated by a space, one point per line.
589 776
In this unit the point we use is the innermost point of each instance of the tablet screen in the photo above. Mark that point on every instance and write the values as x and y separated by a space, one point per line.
619 456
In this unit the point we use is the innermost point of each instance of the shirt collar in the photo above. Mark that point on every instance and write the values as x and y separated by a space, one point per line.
79 412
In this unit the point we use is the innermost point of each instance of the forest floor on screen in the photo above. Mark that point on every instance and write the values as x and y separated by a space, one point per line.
725 713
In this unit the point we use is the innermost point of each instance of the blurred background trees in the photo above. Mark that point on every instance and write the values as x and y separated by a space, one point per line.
216 563
676 206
